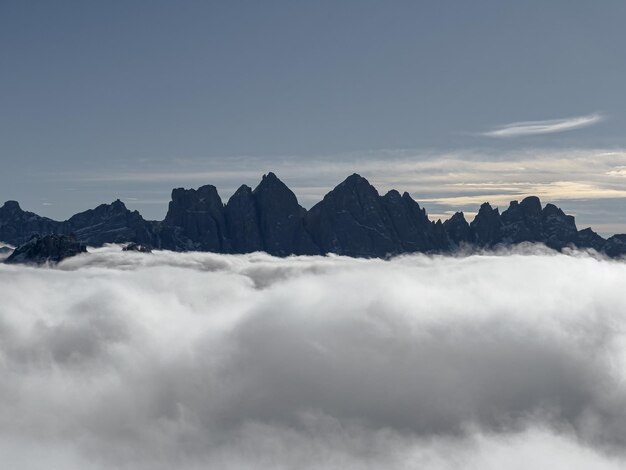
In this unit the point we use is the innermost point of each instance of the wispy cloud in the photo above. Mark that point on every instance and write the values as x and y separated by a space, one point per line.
524 128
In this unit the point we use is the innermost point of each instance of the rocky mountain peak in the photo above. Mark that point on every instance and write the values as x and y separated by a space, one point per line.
393 195
244 189
358 185
11 206
118 205
486 227
550 210
195 221
207 193
352 219
485 208
280 218
355 180
531 206
457 229
271 185
522 221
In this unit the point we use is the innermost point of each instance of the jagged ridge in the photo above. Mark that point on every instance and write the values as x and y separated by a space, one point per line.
353 219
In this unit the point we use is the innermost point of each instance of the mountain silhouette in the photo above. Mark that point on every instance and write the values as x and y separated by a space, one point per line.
353 219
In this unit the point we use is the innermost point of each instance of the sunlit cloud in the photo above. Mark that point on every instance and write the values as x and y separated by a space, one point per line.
443 182
524 128
553 191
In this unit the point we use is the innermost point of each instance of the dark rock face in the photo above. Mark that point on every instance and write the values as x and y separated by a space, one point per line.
521 222
46 249
267 219
195 221
137 247
280 219
18 226
242 222
458 229
557 229
109 223
615 246
440 234
352 219
587 238
524 222
486 228
409 221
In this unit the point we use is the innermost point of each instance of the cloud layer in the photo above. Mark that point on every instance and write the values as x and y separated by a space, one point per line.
551 126
197 360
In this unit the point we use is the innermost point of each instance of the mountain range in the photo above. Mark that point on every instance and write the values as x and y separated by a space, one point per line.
353 220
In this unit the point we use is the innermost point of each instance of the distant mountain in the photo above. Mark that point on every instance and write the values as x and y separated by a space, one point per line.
353 220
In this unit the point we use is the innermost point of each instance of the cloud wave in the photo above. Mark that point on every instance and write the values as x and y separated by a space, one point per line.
525 128
199 360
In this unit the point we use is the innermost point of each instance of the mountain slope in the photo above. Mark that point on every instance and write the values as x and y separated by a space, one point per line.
353 219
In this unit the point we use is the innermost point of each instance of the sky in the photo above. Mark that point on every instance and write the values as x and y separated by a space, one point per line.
455 102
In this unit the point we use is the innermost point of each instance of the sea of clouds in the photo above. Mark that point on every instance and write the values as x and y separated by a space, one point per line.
197 360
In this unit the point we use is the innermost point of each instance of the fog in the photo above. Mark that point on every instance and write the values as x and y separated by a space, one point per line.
195 360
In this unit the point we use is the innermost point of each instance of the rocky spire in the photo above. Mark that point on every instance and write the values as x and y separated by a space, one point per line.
195 221
458 229
242 221
352 220
280 219
486 227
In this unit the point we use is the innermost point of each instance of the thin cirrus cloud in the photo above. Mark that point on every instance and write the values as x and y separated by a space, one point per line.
551 126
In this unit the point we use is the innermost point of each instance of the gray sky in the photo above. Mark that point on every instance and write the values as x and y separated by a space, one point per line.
129 99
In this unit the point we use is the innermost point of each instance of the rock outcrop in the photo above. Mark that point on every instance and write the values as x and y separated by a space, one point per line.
280 219
194 221
615 246
458 230
18 226
242 222
486 228
410 223
558 230
46 249
353 219
109 223
587 238
521 222
137 247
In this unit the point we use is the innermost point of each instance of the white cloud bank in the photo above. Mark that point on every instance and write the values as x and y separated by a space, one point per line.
551 126
198 360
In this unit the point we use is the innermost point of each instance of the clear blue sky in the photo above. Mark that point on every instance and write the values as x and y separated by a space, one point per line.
132 98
